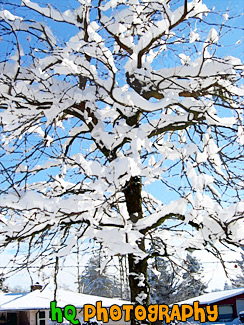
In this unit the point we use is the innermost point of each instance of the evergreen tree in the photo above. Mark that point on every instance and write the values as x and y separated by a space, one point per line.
95 282
162 282
228 286
172 283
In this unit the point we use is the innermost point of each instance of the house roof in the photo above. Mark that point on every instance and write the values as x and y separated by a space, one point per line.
41 300
213 297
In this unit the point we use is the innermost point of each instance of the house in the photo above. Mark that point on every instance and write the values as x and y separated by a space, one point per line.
33 308
230 303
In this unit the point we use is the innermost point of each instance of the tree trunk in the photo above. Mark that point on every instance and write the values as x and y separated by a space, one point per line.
137 267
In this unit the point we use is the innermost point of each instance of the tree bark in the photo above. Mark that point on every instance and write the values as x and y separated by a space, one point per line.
139 287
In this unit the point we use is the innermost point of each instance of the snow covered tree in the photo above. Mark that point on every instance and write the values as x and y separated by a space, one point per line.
192 284
138 98
94 282
227 286
171 283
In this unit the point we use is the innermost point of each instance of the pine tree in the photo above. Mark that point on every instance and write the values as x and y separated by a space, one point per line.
228 286
173 283
96 282
192 285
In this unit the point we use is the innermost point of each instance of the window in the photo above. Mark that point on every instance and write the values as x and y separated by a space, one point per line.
226 313
239 305
42 317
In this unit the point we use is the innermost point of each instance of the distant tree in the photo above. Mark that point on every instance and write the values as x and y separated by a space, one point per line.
172 283
192 284
98 282
228 286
